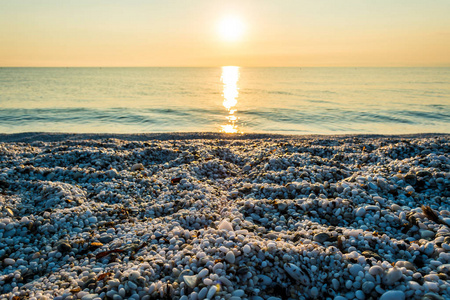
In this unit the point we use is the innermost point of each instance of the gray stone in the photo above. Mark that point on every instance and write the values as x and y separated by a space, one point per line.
64 247
393 295
321 237
368 286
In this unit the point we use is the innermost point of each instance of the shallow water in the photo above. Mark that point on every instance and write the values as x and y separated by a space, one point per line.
230 99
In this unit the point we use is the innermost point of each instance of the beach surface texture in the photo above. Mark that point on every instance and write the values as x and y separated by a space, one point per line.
211 216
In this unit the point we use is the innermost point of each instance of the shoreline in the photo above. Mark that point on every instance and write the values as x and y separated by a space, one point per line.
205 215
56 136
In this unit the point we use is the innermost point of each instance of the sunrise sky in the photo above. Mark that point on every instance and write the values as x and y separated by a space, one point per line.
216 33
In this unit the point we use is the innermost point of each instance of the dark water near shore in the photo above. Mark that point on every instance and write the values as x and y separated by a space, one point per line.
230 99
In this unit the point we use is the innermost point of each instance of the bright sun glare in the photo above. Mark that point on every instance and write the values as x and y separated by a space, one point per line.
231 28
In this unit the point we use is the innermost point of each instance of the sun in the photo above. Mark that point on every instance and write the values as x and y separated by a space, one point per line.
231 28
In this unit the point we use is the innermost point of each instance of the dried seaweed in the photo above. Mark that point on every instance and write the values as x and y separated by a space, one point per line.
431 214
340 244
103 276
105 253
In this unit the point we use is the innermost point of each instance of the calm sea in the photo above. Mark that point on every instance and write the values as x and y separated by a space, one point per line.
229 99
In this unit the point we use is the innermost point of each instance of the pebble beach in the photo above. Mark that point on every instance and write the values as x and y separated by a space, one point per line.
214 216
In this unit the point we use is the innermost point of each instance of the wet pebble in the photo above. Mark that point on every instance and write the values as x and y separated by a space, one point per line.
393 295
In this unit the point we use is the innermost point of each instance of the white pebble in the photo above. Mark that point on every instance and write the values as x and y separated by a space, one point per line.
375 270
230 257
9 261
392 276
225 225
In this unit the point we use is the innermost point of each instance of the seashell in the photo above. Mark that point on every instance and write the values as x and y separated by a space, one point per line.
191 280
243 271
184 273
296 273
225 225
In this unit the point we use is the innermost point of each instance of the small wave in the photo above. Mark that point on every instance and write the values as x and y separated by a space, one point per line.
426 115
280 93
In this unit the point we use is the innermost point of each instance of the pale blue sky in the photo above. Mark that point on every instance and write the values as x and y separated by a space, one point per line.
184 33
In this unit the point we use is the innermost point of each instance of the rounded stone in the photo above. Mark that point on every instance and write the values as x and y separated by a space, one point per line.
368 286
361 211
393 295
9 261
64 247
321 237
355 269
392 276
230 257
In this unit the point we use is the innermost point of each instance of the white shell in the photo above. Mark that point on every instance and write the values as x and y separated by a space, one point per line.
191 280
296 273
225 225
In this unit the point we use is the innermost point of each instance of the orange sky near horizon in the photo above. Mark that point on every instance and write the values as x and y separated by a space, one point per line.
321 33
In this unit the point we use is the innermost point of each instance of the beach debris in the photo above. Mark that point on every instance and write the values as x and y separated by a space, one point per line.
369 253
431 214
296 273
64 247
95 245
225 225
103 276
108 252
191 280
175 180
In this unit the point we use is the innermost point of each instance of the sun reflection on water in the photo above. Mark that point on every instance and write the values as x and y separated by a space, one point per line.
230 78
